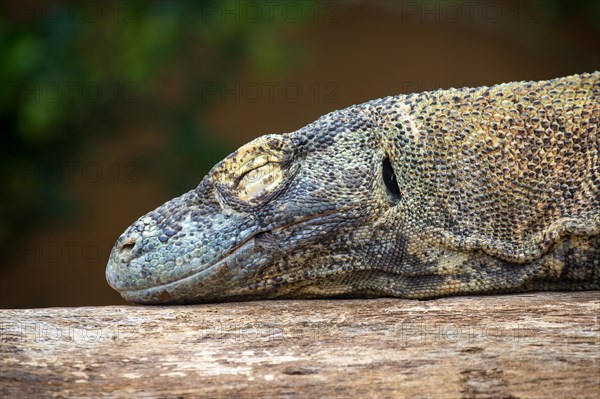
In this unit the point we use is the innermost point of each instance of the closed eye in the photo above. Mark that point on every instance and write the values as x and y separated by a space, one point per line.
259 181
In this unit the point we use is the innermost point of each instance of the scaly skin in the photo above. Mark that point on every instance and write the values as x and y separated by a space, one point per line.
450 192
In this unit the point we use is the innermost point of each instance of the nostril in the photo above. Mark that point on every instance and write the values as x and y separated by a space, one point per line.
126 247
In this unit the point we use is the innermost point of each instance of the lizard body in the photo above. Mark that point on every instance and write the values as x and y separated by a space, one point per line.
448 192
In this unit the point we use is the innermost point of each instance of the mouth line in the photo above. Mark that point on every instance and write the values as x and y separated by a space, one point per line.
206 270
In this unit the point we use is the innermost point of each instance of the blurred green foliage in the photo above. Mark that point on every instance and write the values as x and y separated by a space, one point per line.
72 71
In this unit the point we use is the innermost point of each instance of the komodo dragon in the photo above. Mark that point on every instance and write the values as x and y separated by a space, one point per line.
448 192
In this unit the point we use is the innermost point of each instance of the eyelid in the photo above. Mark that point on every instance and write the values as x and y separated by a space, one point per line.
255 163
256 172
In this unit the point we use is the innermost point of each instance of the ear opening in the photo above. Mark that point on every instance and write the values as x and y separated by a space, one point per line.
390 180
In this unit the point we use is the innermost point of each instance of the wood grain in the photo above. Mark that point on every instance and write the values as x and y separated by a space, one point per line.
516 346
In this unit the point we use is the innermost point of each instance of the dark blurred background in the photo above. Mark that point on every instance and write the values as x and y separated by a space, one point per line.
110 108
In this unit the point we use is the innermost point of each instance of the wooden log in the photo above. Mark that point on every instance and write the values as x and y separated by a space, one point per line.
537 345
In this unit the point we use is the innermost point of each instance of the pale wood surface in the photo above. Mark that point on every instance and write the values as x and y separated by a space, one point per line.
538 345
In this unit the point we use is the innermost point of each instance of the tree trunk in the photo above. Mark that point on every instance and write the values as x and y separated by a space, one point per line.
537 345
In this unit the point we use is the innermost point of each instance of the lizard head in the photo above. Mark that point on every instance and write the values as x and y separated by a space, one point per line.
290 215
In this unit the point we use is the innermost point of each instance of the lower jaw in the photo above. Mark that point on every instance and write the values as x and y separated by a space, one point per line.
184 290
188 289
